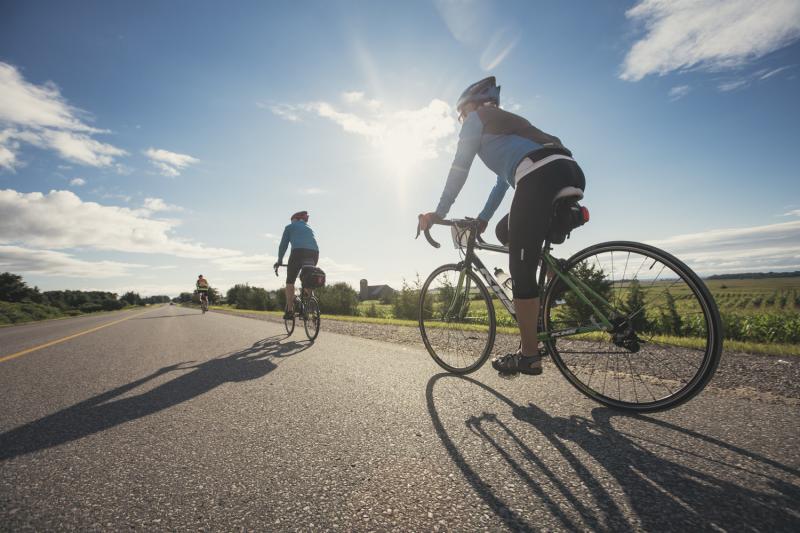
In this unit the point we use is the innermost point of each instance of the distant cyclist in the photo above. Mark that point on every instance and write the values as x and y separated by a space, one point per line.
202 289
304 252
538 166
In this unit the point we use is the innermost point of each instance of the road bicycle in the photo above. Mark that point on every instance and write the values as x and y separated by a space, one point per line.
203 301
627 324
306 307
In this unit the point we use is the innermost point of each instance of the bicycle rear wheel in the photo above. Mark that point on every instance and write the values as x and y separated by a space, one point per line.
666 336
311 318
289 323
456 320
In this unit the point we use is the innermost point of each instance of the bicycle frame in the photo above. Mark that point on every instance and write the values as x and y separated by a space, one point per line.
472 261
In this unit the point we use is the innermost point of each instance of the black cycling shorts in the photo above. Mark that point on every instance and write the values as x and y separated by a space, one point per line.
526 226
297 260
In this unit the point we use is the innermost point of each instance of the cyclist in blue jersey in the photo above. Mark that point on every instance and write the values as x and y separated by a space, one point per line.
304 252
538 166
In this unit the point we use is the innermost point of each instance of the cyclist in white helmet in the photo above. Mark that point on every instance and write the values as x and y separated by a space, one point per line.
538 166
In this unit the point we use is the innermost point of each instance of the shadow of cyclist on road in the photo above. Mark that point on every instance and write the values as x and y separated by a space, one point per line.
103 412
682 487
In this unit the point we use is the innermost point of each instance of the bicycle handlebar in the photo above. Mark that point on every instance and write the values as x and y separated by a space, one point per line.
453 222
278 266
427 232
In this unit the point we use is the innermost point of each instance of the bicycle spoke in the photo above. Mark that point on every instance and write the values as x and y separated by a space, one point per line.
460 336
660 347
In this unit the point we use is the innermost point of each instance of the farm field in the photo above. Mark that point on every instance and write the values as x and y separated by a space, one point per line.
759 315
753 296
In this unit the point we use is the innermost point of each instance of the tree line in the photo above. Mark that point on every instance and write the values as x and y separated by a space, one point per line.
20 302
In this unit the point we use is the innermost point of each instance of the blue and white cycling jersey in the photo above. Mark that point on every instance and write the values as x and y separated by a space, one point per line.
502 140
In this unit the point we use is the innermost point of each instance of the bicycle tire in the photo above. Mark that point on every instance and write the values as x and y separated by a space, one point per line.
311 316
492 325
713 350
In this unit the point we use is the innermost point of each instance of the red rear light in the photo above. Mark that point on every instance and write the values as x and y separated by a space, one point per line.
585 213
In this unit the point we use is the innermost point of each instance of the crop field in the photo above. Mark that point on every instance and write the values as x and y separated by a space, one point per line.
754 296
758 315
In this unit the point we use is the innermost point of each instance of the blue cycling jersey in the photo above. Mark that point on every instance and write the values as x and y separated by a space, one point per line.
502 140
300 236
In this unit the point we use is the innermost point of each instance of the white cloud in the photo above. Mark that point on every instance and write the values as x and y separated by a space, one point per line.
745 80
757 248
169 163
769 74
708 34
332 267
146 289
61 220
157 204
311 190
51 263
358 98
264 262
402 137
285 111
353 97
793 213
77 182
732 85
679 92
8 149
40 115
246 263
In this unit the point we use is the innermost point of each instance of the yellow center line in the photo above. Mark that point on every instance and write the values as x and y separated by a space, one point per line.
64 339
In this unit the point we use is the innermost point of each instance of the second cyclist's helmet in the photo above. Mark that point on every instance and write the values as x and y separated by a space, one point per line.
301 215
480 92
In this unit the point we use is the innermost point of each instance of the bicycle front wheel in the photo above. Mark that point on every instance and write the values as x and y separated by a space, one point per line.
665 338
311 318
456 319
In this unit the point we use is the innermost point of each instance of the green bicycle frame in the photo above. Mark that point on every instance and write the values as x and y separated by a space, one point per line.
580 289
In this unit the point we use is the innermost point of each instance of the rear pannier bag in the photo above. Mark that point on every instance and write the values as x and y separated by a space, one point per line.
312 277
567 217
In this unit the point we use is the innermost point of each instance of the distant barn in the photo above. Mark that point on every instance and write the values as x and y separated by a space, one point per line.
375 292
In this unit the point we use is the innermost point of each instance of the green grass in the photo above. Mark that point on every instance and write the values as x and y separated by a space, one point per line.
754 312
736 346
380 310
14 313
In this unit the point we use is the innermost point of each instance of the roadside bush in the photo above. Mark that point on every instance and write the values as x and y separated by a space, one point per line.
406 302
243 296
279 298
338 299
579 312
765 328
112 305
13 289
13 313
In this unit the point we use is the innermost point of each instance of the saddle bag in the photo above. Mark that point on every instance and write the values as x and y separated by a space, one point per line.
566 217
312 277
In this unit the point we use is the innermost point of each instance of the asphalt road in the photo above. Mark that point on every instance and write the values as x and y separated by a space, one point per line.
171 420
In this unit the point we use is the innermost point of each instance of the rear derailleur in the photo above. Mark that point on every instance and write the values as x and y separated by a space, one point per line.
624 336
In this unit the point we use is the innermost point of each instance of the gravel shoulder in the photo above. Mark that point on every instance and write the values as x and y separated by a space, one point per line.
772 379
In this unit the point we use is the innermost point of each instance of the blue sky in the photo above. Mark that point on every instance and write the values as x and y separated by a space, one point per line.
144 143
